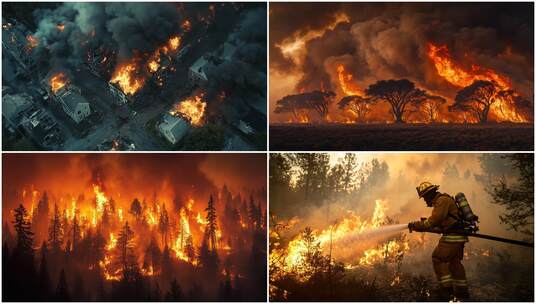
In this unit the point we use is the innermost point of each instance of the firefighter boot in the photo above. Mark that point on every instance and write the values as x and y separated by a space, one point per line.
446 293
461 293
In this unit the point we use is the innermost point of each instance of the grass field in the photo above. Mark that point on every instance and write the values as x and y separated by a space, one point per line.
402 137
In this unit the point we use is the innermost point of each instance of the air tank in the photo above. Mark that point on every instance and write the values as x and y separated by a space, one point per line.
463 204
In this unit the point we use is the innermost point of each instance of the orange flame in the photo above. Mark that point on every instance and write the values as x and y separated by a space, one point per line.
57 82
460 77
125 77
345 82
193 109
60 27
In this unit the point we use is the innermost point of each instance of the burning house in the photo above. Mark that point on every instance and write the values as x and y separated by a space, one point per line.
19 43
69 96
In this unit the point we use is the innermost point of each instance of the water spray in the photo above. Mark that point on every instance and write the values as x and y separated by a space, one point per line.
371 233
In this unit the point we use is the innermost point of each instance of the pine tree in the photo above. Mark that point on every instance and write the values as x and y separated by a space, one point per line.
75 232
40 219
189 248
44 283
127 259
55 230
210 230
163 225
23 227
135 209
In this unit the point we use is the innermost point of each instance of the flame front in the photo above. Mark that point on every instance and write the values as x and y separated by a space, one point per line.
460 77
126 77
293 256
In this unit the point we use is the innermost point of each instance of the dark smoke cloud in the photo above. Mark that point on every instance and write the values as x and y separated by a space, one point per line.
389 40
123 27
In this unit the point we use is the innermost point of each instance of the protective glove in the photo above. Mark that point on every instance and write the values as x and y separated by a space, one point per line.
411 226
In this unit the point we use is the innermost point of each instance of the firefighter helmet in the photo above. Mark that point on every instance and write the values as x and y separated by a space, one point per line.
425 187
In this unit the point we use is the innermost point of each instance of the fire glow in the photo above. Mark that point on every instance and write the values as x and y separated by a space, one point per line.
294 254
193 109
58 81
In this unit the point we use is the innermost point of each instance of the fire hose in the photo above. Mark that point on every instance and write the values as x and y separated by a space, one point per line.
483 236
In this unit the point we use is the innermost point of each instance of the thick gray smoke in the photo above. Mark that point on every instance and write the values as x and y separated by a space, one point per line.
122 27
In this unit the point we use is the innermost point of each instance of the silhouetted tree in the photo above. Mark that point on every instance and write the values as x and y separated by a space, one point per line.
127 258
399 94
477 99
55 230
75 232
210 230
318 101
163 225
23 227
40 218
360 106
135 209
44 277
189 248
431 107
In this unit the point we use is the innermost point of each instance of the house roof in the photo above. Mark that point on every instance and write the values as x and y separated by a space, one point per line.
13 105
72 100
175 125
198 66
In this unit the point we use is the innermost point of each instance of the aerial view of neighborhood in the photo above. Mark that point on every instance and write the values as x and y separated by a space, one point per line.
84 76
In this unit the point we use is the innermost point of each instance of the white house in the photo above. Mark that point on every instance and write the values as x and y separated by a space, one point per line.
173 128
74 105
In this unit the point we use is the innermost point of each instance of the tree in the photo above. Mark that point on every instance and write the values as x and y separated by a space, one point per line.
23 227
399 94
431 107
360 106
40 219
189 248
210 230
55 231
127 258
62 291
163 225
209 137
318 101
135 209
175 293
75 232
517 197
477 99
349 163
44 277
312 169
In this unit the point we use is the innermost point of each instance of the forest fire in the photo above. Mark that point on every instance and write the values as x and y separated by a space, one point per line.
108 233
58 81
336 236
193 109
460 77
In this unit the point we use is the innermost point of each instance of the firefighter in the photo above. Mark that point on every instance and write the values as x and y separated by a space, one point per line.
448 254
